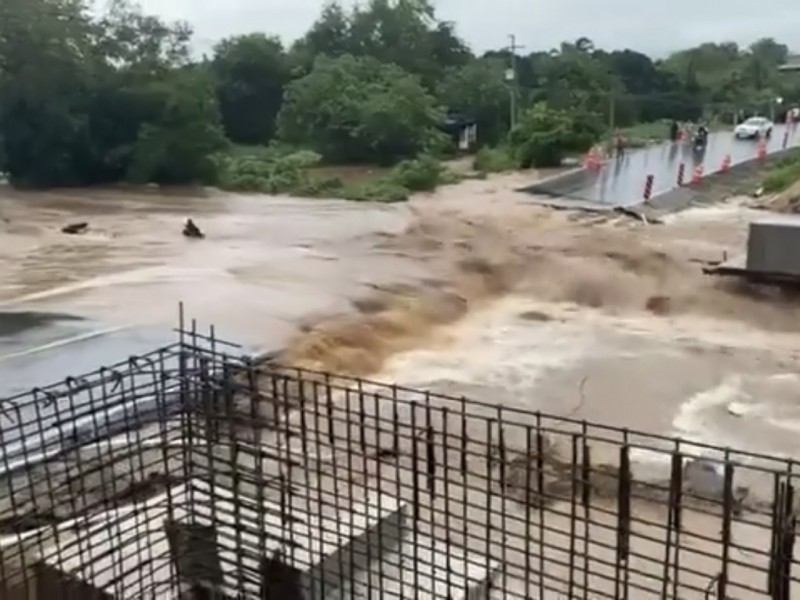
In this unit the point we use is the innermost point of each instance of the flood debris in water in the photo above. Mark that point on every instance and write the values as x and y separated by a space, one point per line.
190 230
75 228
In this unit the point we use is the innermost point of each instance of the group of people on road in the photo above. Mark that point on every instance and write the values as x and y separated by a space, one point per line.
700 137
700 132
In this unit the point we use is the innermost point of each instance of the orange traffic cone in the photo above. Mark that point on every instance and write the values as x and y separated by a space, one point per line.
592 159
726 163
762 150
697 175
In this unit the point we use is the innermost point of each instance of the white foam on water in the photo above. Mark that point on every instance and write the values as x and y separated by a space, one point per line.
496 348
730 211
744 409
694 420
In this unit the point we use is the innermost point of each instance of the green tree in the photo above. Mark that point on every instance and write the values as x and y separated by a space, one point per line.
544 136
183 132
86 100
46 66
357 109
770 52
401 32
478 90
329 35
251 73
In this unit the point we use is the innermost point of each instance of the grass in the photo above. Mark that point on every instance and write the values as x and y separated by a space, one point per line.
784 174
295 172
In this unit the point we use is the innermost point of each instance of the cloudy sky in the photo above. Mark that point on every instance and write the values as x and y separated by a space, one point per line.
651 26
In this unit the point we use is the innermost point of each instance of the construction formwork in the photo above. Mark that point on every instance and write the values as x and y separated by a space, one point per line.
195 472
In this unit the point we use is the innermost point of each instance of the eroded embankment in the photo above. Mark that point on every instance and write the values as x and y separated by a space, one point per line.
550 258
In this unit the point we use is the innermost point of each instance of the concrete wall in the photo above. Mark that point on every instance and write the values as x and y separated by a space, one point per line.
564 184
332 575
774 246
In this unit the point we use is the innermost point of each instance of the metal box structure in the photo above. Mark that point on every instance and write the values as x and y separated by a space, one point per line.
193 472
773 246
134 549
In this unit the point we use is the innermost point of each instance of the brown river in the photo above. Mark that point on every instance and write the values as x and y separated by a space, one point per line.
471 290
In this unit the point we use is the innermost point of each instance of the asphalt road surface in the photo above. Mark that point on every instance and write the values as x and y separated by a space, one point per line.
621 180
37 349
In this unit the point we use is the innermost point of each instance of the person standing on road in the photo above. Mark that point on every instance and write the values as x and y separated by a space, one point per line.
619 142
673 131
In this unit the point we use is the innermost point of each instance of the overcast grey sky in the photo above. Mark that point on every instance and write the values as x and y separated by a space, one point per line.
653 26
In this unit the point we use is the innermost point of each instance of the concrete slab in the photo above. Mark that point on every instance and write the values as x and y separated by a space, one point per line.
428 569
127 551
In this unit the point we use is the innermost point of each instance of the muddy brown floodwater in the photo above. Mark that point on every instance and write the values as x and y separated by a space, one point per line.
473 290
470 290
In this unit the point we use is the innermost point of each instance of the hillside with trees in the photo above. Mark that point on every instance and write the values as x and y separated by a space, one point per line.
88 99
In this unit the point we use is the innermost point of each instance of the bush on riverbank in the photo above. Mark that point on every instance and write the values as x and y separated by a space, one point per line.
494 160
276 171
543 138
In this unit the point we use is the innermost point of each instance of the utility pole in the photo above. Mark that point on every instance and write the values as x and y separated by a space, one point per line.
511 77
612 110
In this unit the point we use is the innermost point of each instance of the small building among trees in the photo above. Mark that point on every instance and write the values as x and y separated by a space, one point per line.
463 130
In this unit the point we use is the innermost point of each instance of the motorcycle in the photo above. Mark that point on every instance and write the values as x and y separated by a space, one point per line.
700 139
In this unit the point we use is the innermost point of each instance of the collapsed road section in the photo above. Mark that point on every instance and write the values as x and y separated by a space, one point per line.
631 178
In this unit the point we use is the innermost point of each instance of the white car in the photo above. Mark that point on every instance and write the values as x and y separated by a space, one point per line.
754 127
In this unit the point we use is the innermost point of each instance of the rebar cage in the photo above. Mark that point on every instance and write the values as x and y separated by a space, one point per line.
194 472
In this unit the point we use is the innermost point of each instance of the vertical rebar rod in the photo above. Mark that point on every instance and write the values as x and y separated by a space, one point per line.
529 444
430 450
775 540
586 500
487 509
447 505
623 523
573 514
677 516
727 510
542 500
501 451
415 491
675 469
376 410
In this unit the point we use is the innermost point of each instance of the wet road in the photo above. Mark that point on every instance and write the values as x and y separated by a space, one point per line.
621 181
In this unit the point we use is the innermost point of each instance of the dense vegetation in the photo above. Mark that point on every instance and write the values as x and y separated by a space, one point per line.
87 99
